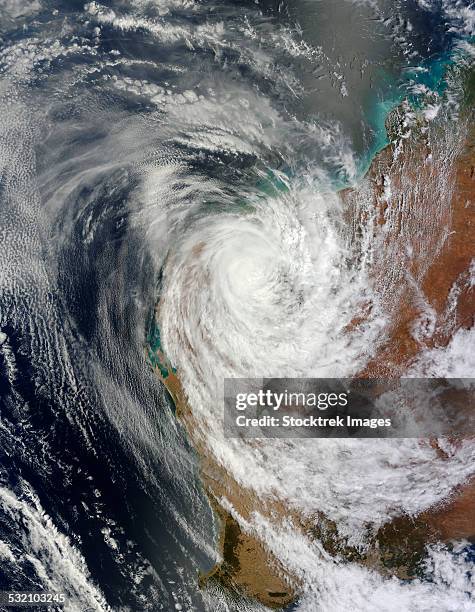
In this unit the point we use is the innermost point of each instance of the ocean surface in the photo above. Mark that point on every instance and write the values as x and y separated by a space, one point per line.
131 132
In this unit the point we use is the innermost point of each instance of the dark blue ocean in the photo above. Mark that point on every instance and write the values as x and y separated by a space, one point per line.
100 492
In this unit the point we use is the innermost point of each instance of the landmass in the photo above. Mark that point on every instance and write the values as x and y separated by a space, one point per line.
421 208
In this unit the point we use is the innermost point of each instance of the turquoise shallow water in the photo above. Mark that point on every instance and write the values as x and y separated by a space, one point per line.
99 101
433 75
390 92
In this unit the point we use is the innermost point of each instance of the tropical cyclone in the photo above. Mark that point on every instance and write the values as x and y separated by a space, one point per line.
421 224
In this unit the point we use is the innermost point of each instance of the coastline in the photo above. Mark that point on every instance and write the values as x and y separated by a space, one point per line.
398 546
